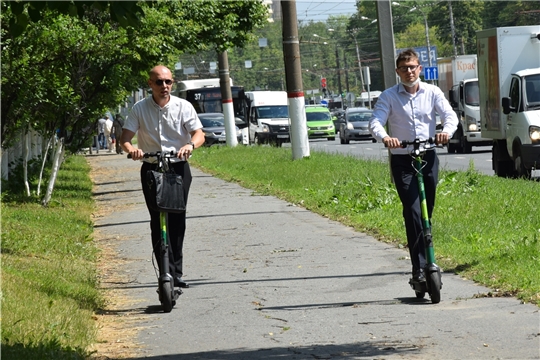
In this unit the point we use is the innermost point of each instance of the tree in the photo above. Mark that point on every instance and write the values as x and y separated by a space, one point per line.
72 65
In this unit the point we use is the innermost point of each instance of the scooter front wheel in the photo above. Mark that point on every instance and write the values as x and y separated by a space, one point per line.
434 286
166 296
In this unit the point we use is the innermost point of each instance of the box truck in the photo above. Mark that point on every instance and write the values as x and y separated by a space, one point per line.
458 79
509 82
267 114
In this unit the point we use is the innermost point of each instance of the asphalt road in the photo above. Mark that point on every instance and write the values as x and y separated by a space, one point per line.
272 280
480 157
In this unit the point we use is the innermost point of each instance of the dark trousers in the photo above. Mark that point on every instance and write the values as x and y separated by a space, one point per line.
406 183
177 222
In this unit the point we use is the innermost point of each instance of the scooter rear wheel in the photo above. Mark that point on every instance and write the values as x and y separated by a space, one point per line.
434 280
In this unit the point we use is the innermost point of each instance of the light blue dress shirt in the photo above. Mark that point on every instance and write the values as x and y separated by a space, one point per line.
411 116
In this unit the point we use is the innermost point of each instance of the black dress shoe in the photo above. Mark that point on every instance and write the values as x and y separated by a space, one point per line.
419 276
178 282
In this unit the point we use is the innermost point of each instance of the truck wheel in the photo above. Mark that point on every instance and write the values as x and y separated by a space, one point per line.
502 165
459 144
257 140
521 171
465 145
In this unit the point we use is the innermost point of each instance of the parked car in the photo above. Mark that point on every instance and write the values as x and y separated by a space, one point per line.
355 126
319 122
214 129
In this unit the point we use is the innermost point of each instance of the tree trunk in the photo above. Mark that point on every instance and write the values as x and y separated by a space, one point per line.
58 157
43 161
25 140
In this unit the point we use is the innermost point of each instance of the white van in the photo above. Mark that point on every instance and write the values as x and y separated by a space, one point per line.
268 117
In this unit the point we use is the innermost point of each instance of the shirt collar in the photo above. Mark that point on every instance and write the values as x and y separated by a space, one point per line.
421 89
156 105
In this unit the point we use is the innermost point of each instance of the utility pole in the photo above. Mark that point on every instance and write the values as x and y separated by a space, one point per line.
386 40
226 99
452 28
346 72
293 79
339 76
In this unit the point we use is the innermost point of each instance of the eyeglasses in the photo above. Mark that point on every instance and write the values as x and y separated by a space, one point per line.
160 82
408 68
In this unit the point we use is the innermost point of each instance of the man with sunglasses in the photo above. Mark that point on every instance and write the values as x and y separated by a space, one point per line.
164 123
408 110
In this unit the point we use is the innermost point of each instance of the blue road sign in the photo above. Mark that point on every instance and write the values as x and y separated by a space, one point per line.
423 56
431 73
324 102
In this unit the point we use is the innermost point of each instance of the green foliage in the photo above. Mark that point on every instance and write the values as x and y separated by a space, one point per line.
84 58
49 280
485 228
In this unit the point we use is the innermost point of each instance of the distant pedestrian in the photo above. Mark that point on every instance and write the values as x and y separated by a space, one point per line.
118 124
101 133
108 132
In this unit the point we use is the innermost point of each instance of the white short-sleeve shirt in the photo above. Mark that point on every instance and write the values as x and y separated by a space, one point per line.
165 128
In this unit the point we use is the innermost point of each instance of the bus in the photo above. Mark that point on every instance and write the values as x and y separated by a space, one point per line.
205 96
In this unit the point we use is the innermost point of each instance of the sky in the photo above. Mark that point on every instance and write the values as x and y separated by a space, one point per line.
319 10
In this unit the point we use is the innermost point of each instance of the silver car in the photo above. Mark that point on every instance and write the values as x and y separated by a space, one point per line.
214 129
355 126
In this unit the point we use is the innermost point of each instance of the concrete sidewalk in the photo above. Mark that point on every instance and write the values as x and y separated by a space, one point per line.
272 280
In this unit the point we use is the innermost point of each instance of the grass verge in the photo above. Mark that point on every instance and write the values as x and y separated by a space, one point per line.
485 228
49 278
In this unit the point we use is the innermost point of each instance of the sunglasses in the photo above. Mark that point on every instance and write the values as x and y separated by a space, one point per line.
160 82
408 68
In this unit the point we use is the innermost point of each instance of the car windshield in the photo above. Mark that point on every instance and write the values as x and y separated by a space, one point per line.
269 112
532 88
472 94
212 122
318 116
359 116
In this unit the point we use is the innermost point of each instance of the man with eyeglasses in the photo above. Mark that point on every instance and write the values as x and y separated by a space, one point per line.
408 110
164 123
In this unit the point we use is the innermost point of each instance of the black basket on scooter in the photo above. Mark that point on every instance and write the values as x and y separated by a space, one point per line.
166 191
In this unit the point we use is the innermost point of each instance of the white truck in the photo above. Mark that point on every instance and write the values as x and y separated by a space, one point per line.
267 114
509 81
458 79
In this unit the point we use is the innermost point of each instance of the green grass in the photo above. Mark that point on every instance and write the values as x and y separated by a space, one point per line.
485 228
49 278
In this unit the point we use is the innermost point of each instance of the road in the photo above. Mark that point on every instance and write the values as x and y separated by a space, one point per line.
480 156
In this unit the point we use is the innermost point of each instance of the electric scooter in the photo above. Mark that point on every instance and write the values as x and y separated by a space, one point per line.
433 283
166 291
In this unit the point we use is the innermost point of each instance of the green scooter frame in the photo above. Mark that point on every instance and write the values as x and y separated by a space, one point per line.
432 272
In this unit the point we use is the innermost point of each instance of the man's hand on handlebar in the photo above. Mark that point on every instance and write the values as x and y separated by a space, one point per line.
392 143
136 154
442 138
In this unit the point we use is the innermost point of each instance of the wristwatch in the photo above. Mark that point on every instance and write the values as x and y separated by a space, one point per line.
192 144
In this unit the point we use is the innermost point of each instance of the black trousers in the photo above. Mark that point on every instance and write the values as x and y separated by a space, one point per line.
406 183
177 222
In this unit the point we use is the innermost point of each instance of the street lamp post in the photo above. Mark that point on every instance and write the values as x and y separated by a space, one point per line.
354 33
411 9
337 65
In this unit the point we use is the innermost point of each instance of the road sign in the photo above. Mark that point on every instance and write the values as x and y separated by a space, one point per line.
423 56
431 73
324 102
